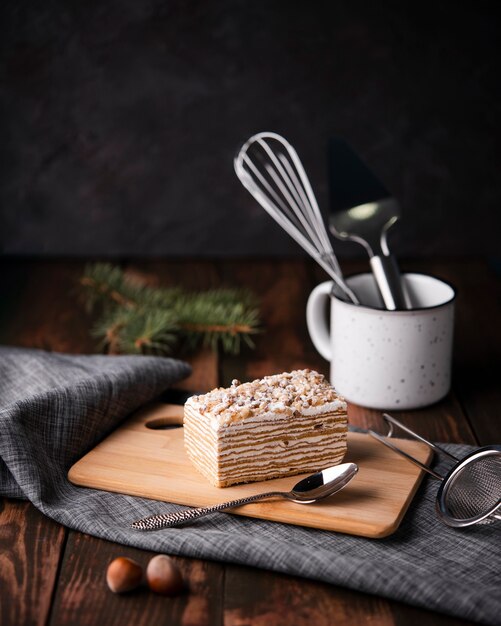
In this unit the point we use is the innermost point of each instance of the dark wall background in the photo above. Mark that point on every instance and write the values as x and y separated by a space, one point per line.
120 119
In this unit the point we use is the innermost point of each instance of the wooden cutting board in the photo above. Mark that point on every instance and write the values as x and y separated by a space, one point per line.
145 457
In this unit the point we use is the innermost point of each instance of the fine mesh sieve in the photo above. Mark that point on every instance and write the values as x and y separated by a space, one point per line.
470 492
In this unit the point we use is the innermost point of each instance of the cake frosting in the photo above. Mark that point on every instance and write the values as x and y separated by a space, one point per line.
279 425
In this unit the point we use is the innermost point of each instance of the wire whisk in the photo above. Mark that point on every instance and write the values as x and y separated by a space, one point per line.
270 169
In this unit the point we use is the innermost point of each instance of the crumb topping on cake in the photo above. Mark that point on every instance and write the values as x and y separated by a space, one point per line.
286 393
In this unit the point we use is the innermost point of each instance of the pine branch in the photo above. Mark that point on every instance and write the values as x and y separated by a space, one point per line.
106 285
135 318
125 331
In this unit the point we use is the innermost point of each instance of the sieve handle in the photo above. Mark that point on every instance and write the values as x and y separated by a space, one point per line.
395 448
391 421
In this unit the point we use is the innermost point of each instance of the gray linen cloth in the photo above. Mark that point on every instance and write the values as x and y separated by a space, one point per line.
54 408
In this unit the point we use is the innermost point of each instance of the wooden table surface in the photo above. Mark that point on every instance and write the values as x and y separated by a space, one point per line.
52 575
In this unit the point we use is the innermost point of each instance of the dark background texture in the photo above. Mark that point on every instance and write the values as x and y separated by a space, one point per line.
120 120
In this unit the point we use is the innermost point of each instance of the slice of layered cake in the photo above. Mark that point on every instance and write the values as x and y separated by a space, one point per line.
280 425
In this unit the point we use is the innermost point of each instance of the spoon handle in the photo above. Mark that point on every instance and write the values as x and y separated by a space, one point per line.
390 283
166 520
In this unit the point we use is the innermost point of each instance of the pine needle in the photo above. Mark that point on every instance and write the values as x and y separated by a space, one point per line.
137 319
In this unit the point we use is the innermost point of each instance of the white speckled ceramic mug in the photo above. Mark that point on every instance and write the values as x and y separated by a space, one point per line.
386 359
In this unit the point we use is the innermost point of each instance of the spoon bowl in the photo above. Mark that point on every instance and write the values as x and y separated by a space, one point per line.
368 225
323 484
308 490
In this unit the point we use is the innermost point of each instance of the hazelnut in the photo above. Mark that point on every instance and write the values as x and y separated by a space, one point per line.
163 576
123 575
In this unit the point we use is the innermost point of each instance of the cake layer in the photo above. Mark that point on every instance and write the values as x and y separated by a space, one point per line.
263 440
279 426
302 391
270 469
239 448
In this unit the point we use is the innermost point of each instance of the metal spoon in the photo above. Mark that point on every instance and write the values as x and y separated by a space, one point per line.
363 210
310 489
368 225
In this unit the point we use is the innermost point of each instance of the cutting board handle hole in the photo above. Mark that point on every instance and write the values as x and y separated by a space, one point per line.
163 423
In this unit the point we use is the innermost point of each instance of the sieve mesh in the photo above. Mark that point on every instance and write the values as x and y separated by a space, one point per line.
475 489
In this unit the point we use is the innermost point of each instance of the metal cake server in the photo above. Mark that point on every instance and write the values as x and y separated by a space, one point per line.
308 490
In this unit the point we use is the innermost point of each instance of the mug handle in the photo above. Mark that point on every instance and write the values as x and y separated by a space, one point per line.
315 319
